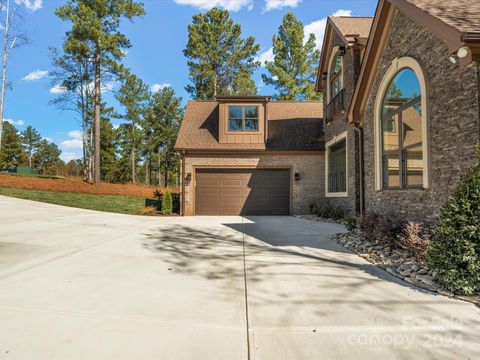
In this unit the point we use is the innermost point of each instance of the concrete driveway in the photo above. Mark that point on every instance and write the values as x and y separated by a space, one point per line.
78 284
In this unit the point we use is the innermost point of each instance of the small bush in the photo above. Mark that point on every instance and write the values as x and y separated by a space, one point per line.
415 237
350 222
455 251
167 203
149 210
326 212
378 228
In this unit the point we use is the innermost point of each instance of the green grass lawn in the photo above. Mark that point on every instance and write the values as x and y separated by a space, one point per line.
110 203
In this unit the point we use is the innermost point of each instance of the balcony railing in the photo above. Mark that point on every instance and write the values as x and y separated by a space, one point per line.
335 107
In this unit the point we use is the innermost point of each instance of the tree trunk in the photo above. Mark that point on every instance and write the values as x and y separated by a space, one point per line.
30 159
133 163
147 170
97 117
4 68
159 173
166 178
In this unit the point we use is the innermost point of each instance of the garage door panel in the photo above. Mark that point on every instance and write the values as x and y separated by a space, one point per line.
242 192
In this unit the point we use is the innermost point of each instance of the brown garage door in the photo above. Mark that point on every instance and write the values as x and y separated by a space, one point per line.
242 192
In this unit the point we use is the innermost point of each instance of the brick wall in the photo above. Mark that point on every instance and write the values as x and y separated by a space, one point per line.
453 122
309 188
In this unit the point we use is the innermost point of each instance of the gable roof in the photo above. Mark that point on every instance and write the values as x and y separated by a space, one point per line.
292 126
352 30
352 27
454 21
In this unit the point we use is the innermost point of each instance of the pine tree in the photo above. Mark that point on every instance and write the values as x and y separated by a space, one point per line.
220 61
47 157
95 35
31 139
133 95
294 66
162 125
455 251
11 153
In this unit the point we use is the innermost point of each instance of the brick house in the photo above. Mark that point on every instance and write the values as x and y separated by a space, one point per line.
398 125
251 156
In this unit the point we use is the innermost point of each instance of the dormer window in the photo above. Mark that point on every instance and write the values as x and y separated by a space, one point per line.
242 118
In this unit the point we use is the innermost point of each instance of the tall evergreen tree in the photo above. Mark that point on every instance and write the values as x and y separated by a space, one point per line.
31 140
293 69
47 157
163 122
220 61
11 152
74 74
133 95
95 34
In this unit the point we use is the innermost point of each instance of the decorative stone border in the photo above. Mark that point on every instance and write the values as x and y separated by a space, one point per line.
396 262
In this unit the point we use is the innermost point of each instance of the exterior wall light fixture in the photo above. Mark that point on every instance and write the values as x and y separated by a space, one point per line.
297 176
462 52
341 50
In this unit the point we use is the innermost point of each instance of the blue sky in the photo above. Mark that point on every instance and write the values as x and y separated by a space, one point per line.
156 56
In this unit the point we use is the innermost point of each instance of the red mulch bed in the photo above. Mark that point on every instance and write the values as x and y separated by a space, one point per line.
80 186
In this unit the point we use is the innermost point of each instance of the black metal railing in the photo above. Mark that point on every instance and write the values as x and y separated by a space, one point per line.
335 107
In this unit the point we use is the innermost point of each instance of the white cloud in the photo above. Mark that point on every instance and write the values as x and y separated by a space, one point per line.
318 27
157 87
115 126
230 5
278 4
35 75
15 122
32 5
49 139
75 141
266 55
58 89
67 156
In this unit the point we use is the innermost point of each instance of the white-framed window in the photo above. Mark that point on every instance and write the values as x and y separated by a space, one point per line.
401 131
242 118
336 166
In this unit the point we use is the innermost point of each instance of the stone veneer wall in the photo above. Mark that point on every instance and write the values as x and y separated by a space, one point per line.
351 68
310 187
453 122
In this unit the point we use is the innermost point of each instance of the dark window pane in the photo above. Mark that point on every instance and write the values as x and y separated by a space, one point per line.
234 112
251 112
235 124
251 124
337 167
414 167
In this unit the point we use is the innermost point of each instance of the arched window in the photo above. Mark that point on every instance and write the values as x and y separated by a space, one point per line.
336 76
402 152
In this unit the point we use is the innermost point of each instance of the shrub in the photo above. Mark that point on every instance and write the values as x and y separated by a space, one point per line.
378 228
415 237
455 251
167 203
326 211
148 210
351 222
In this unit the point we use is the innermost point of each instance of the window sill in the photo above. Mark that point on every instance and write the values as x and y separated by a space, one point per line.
337 194
419 189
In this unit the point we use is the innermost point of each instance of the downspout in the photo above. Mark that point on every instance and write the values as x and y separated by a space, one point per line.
359 130
182 207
